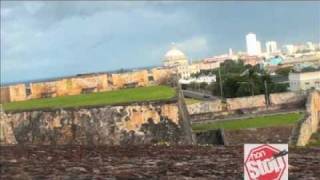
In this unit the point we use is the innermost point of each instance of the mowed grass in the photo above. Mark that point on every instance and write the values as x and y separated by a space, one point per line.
101 98
315 139
257 122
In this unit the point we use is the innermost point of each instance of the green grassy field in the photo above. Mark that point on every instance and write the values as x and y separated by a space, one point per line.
257 122
315 140
101 98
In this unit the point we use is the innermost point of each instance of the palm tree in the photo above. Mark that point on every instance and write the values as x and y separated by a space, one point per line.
252 76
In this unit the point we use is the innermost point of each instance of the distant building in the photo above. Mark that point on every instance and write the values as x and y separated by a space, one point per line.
290 49
185 71
230 52
304 80
259 50
271 47
221 58
252 60
174 57
310 46
208 65
274 61
251 42
178 61
202 79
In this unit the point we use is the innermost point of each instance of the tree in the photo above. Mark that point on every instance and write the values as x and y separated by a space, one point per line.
283 71
240 80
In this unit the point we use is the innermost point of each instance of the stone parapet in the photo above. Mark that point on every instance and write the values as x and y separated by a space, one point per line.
136 123
310 124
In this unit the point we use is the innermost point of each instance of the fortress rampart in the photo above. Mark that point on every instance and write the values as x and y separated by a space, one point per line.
134 123
245 105
84 84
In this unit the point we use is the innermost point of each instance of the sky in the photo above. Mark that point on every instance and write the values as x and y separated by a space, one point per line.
59 38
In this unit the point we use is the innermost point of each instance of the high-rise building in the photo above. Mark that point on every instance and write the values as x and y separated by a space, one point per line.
251 41
258 48
290 49
271 47
310 46
230 52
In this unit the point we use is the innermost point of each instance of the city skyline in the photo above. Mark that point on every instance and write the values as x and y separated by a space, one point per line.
48 42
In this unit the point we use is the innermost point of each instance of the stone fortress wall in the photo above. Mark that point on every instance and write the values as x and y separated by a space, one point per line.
311 123
15 92
281 100
84 84
132 123
298 134
70 86
136 79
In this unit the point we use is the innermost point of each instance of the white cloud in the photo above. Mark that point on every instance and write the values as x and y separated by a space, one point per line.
5 12
34 6
196 46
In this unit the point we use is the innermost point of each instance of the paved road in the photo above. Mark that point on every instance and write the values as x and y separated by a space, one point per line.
198 95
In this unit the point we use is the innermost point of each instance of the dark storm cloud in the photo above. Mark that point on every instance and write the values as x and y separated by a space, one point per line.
43 39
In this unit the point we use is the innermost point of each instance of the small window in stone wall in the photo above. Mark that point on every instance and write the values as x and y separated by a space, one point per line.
150 78
28 91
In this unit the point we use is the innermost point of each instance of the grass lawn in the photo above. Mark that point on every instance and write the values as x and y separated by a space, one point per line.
101 98
191 101
257 122
315 139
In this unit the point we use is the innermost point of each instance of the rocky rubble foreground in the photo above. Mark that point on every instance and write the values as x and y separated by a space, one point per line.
140 162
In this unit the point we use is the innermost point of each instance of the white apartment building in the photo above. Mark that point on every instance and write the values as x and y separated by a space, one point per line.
208 65
259 50
251 41
290 49
187 70
202 79
310 46
304 80
271 47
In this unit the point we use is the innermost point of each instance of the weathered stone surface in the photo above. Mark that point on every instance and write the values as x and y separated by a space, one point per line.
209 137
70 86
138 78
15 92
278 101
141 162
6 133
149 122
85 83
310 124
257 135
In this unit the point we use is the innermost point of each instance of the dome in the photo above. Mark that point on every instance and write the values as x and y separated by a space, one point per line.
175 57
174 53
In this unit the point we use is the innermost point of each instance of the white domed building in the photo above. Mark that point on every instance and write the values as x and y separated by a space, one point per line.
174 57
